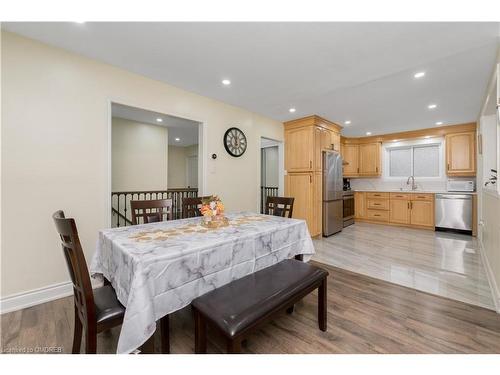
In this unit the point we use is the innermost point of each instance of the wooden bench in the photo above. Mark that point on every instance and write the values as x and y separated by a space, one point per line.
239 307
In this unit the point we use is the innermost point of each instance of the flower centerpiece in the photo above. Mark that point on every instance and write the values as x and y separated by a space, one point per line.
212 210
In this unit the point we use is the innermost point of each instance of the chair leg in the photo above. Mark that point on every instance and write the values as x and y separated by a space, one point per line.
91 340
77 334
299 257
165 334
200 333
290 309
149 346
233 346
322 306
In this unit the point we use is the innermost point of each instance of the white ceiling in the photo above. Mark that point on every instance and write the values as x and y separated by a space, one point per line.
185 130
361 72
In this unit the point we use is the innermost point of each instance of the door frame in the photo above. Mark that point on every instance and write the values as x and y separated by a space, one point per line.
202 146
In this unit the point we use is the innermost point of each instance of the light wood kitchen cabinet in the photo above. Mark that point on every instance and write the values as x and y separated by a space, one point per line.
305 139
362 160
369 159
461 154
422 213
299 149
408 209
359 205
300 186
350 157
399 211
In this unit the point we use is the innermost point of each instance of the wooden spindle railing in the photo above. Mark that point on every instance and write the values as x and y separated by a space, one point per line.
266 191
120 202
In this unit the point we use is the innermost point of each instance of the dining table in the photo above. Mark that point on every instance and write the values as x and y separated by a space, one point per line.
159 268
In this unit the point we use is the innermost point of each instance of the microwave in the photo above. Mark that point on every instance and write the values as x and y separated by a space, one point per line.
460 185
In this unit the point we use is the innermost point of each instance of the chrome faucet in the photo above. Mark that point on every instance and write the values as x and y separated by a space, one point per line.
413 184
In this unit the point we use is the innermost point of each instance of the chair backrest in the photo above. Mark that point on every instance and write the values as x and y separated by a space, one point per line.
77 267
151 210
279 206
191 207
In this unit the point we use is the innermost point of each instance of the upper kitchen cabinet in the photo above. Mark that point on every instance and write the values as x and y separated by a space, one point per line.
299 149
461 154
362 160
305 139
369 159
350 155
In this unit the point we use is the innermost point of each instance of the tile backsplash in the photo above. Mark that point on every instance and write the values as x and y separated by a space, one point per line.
382 184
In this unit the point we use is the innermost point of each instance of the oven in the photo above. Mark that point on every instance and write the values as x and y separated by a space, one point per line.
348 207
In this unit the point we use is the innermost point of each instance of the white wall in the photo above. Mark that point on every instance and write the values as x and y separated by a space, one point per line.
56 151
177 160
139 156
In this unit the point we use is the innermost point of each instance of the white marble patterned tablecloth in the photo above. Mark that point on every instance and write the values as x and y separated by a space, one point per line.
159 268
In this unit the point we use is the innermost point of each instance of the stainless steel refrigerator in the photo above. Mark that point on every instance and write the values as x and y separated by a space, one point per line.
333 186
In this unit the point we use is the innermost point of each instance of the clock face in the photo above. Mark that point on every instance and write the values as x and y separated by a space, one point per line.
235 142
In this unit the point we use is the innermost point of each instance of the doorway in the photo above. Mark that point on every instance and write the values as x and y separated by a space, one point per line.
271 170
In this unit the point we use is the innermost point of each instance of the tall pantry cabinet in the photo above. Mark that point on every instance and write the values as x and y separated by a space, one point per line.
305 139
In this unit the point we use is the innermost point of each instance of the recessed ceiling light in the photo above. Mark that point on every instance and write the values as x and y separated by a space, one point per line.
347 122
292 110
395 140
368 133
432 106
177 139
79 21
439 123
226 82
427 136
419 75
159 119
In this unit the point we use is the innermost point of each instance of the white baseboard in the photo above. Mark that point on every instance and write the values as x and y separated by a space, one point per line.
37 296
34 297
495 291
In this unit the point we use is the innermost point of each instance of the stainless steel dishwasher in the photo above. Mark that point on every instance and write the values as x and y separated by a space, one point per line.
454 211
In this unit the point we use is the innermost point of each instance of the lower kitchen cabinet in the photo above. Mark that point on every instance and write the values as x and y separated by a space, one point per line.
409 209
422 213
399 211
359 205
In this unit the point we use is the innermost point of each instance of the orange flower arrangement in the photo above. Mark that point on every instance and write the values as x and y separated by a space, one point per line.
211 206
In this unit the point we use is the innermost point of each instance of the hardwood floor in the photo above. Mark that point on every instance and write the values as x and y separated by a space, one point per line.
445 264
365 315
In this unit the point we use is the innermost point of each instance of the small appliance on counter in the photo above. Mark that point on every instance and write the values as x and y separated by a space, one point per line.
454 209
460 185
347 184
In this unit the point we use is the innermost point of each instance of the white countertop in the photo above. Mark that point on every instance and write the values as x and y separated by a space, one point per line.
414 191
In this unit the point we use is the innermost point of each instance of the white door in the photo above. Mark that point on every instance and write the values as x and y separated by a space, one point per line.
192 171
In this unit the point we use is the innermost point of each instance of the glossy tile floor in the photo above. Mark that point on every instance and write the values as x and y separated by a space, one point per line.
440 263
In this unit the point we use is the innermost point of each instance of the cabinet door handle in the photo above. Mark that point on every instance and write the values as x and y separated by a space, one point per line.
310 179
448 166
358 169
408 205
376 169
376 215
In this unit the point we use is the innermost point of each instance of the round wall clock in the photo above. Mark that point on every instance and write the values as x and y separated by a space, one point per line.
235 142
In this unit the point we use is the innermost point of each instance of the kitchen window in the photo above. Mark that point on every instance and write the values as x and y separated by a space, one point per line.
423 159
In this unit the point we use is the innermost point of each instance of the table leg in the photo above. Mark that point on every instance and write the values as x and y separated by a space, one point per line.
165 334
322 308
200 333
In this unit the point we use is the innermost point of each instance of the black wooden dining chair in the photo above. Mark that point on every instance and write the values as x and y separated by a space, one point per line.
191 207
96 310
279 206
151 210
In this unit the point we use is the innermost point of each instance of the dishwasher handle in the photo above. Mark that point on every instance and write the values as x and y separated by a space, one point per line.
454 196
